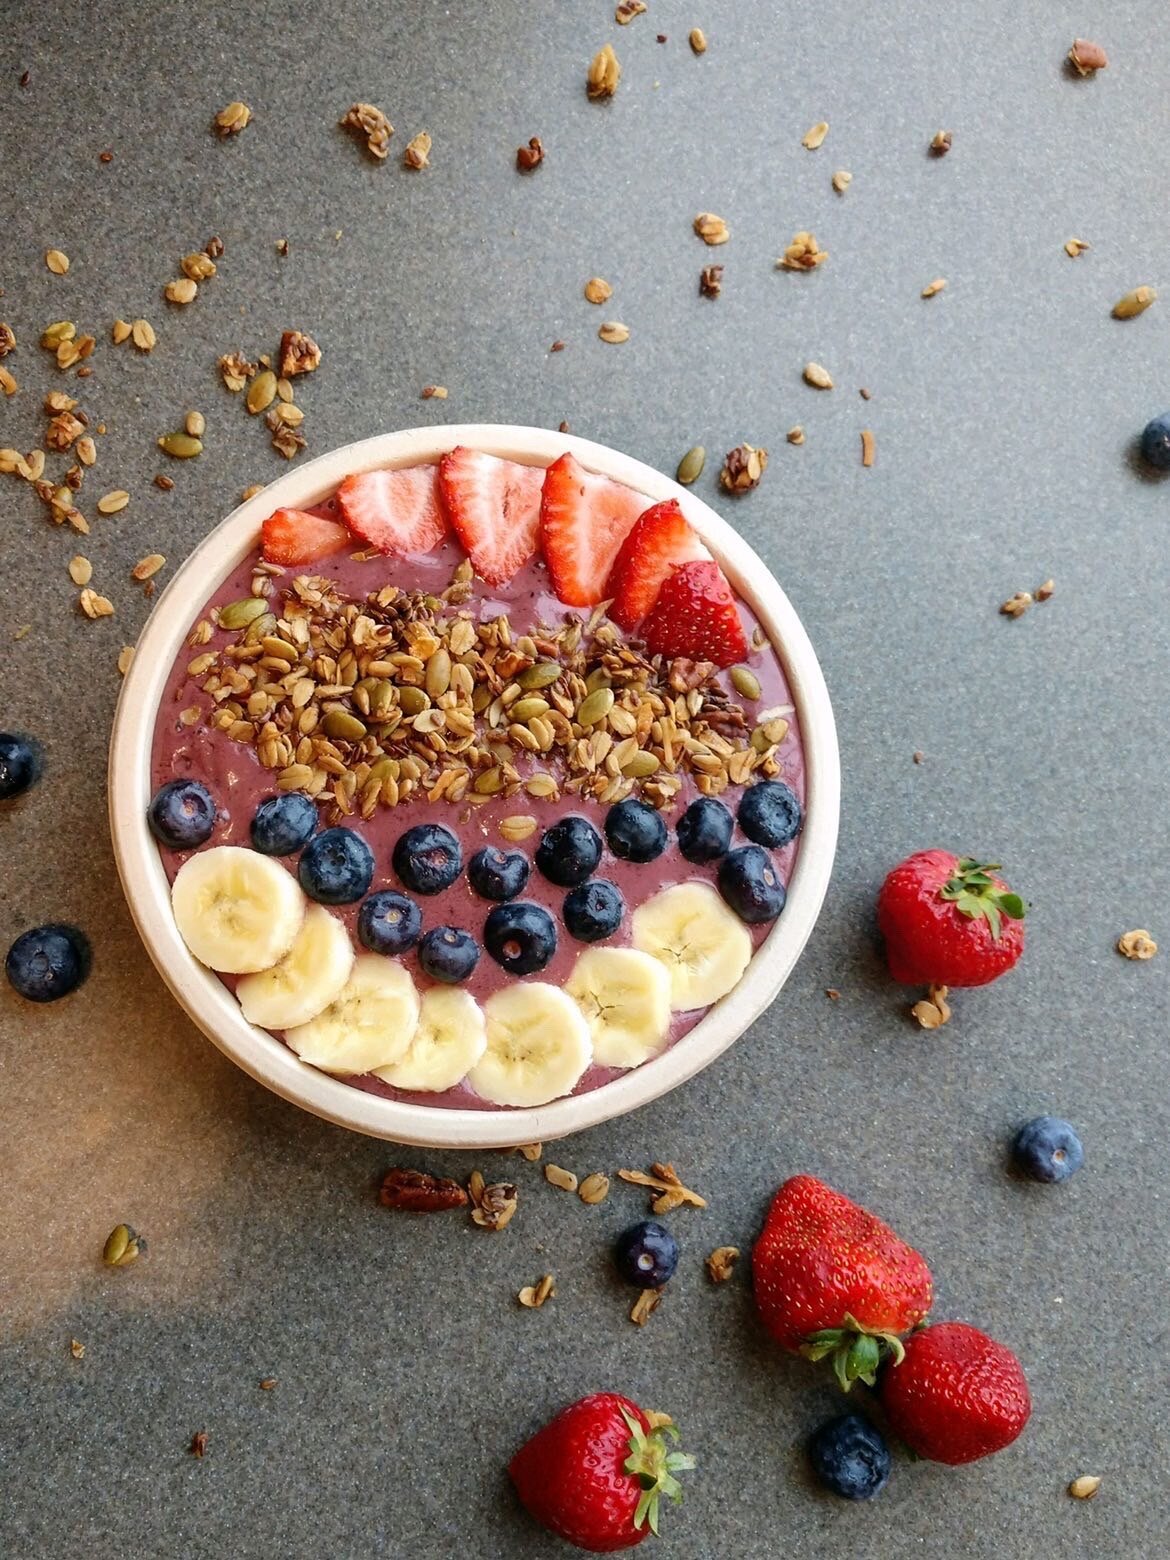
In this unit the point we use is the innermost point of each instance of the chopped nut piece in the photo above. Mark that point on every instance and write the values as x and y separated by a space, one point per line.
232 119
364 120
645 1306
531 156
148 566
795 435
816 376
530 1151
95 606
414 1191
813 138
434 392
235 370
627 10
86 451
125 657
80 570
690 467
933 1010
250 492
494 1204
565 1179
55 334
213 248
1046 591
802 254
743 467
63 430
282 246
1133 303
697 39
123 1246
57 261
120 331
832 993
1074 247
198 1443
940 143
7 339
597 290
934 287
614 331
267 1383
720 1263
711 229
112 503
77 1349
1085 1487
1137 945
664 1180
1015 606
143 336
594 1188
287 441
299 354
710 281
8 382
183 290
605 72
1087 57
533 1296
868 447
418 151
841 181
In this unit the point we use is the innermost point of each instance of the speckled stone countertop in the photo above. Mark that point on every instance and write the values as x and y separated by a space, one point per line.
1004 409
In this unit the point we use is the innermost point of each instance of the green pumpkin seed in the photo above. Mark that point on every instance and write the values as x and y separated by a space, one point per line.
489 782
598 678
690 467
438 676
524 709
381 699
122 1246
261 392
745 682
641 766
595 706
542 675
180 446
413 700
259 628
238 614
280 648
343 726
480 699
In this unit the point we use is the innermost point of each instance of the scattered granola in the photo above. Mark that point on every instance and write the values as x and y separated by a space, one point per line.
594 1188
80 570
1085 1487
605 72
147 567
261 392
598 290
1074 247
664 1180
802 254
8 382
1137 945
180 446
795 435
7 339
77 1348
125 658
235 370
818 377
249 492
434 392
614 332
286 440
697 39
813 138
1015 606
163 482
533 1296
721 1262
414 1191
557 346
198 266
123 1246
710 281
711 229
841 180
1046 591
1087 57
143 336
556 1176
531 156
232 119
918 756
832 993
57 261
868 447
366 122
418 151
645 1305
120 331
934 287
1134 303
941 142
199 1443
213 248
531 1151
93 605
742 468
282 246
195 424
627 10
494 1204
266 1383
933 1010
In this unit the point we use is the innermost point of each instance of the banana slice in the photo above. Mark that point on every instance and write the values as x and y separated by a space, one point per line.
306 980
625 997
450 1038
704 945
537 1045
236 910
369 1025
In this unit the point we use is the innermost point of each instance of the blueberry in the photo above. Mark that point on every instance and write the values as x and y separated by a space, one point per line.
769 813
428 858
181 814
22 762
635 830
593 910
48 962
336 867
498 874
282 824
704 830
520 936
1156 442
449 954
1047 1149
850 1457
388 922
750 884
569 851
646 1254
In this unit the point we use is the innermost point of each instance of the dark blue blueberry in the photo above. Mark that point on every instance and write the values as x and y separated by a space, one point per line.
1047 1149
750 884
48 962
520 936
388 922
181 814
850 1457
593 910
283 823
646 1254
448 953
769 813
22 762
1156 442
336 867
428 858
704 830
569 851
498 874
635 830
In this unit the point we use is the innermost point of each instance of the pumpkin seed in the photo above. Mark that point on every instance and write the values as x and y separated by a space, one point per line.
238 614
180 446
261 392
598 678
260 629
745 682
438 676
524 709
542 675
280 648
641 766
595 706
413 700
489 782
343 726
690 467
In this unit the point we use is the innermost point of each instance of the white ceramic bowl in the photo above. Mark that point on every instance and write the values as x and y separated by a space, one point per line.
214 1008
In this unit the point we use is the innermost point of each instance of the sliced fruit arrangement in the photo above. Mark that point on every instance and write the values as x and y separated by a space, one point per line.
306 981
237 911
703 947
661 541
584 519
695 615
625 998
369 1024
448 1042
292 536
395 512
494 509
537 1049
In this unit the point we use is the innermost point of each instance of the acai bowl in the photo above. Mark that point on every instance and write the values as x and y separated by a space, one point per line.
473 785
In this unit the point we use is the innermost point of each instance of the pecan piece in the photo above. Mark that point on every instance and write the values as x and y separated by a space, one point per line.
299 354
414 1191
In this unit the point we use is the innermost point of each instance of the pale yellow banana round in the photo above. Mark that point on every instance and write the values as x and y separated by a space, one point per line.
704 946
537 1045
625 998
236 910
450 1039
309 977
369 1025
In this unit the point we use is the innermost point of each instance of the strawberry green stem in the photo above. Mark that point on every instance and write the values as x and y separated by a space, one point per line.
972 891
856 1351
654 1466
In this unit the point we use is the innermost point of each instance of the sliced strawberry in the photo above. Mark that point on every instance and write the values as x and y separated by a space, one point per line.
659 542
584 519
294 536
395 511
696 616
494 509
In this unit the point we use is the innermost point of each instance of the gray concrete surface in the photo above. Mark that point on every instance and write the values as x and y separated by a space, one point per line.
1004 411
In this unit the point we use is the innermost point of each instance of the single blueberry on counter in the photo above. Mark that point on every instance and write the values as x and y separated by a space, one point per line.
388 922
1155 443
850 1457
48 962
769 813
448 953
635 830
1047 1149
498 874
593 910
520 936
336 867
22 762
646 1254
750 884
283 823
428 858
569 851
181 814
704 830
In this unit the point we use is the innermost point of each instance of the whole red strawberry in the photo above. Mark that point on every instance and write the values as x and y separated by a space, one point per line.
594 1474
949 921
831 1279
957 1395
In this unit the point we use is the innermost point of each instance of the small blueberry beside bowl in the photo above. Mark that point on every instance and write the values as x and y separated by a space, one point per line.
48 962
22 762
282 824
336 867
850 1457
181 814
1047 1149
646 1254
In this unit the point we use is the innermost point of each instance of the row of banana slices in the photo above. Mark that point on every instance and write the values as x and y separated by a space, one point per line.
242 913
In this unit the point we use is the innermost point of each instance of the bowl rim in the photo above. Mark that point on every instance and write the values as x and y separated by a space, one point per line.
214 1009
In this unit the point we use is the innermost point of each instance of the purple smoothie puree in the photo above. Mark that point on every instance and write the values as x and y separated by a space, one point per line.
238 782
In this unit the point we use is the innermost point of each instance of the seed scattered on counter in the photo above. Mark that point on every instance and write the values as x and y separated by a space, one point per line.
743 467
815 137
7 339
1074 247
143 336
832 993
195 424
690 467
697 39
598 290
86 450
125 657
556 1176
605 72
123 1246
1046 591
795 435
556 346
80 570
933 1011
282 246
627 10
57 261
530 1151
533 1296
299 354
494 1205
77 1348
198 1443
645 1305
434 392
842 179
370 124
120 331
180 446
866 395
250 492
711 281
941 142
918 756
933 288
418 151
235 371
1085 1487
614 332
1015 606
95 606
232 119
198 266
594 1189
8 382
1134 303
721 1262
1087 57
802 254
711 229
868 447
817 376
664 1180
147 567
114 502
1137 945
267 1383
